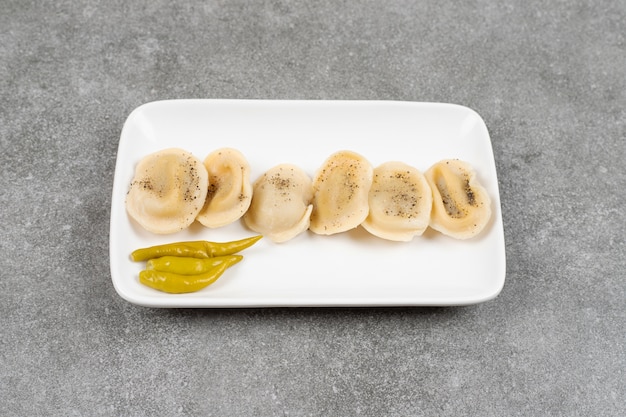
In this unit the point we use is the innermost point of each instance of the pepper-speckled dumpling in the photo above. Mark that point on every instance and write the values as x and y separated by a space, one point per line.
461 206
400 201
281 203
341 186
229 192
167 191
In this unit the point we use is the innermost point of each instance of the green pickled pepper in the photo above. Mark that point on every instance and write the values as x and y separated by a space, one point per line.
172 283
188 266
194 249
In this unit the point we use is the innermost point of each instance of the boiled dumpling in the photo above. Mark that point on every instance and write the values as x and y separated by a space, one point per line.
281 203
229 191
341 187
400 201
167 191
461 206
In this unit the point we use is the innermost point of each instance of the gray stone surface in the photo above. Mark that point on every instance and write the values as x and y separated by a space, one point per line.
549 78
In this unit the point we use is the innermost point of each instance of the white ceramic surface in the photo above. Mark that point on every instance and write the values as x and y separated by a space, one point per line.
348 269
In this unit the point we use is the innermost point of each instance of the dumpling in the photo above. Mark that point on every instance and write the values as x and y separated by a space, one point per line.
281 203
229 192
400 202
461 206
167 191
341 187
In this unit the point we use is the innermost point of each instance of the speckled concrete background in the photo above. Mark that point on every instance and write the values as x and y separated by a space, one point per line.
549 78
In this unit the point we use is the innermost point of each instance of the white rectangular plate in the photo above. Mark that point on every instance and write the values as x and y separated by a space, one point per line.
347 269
